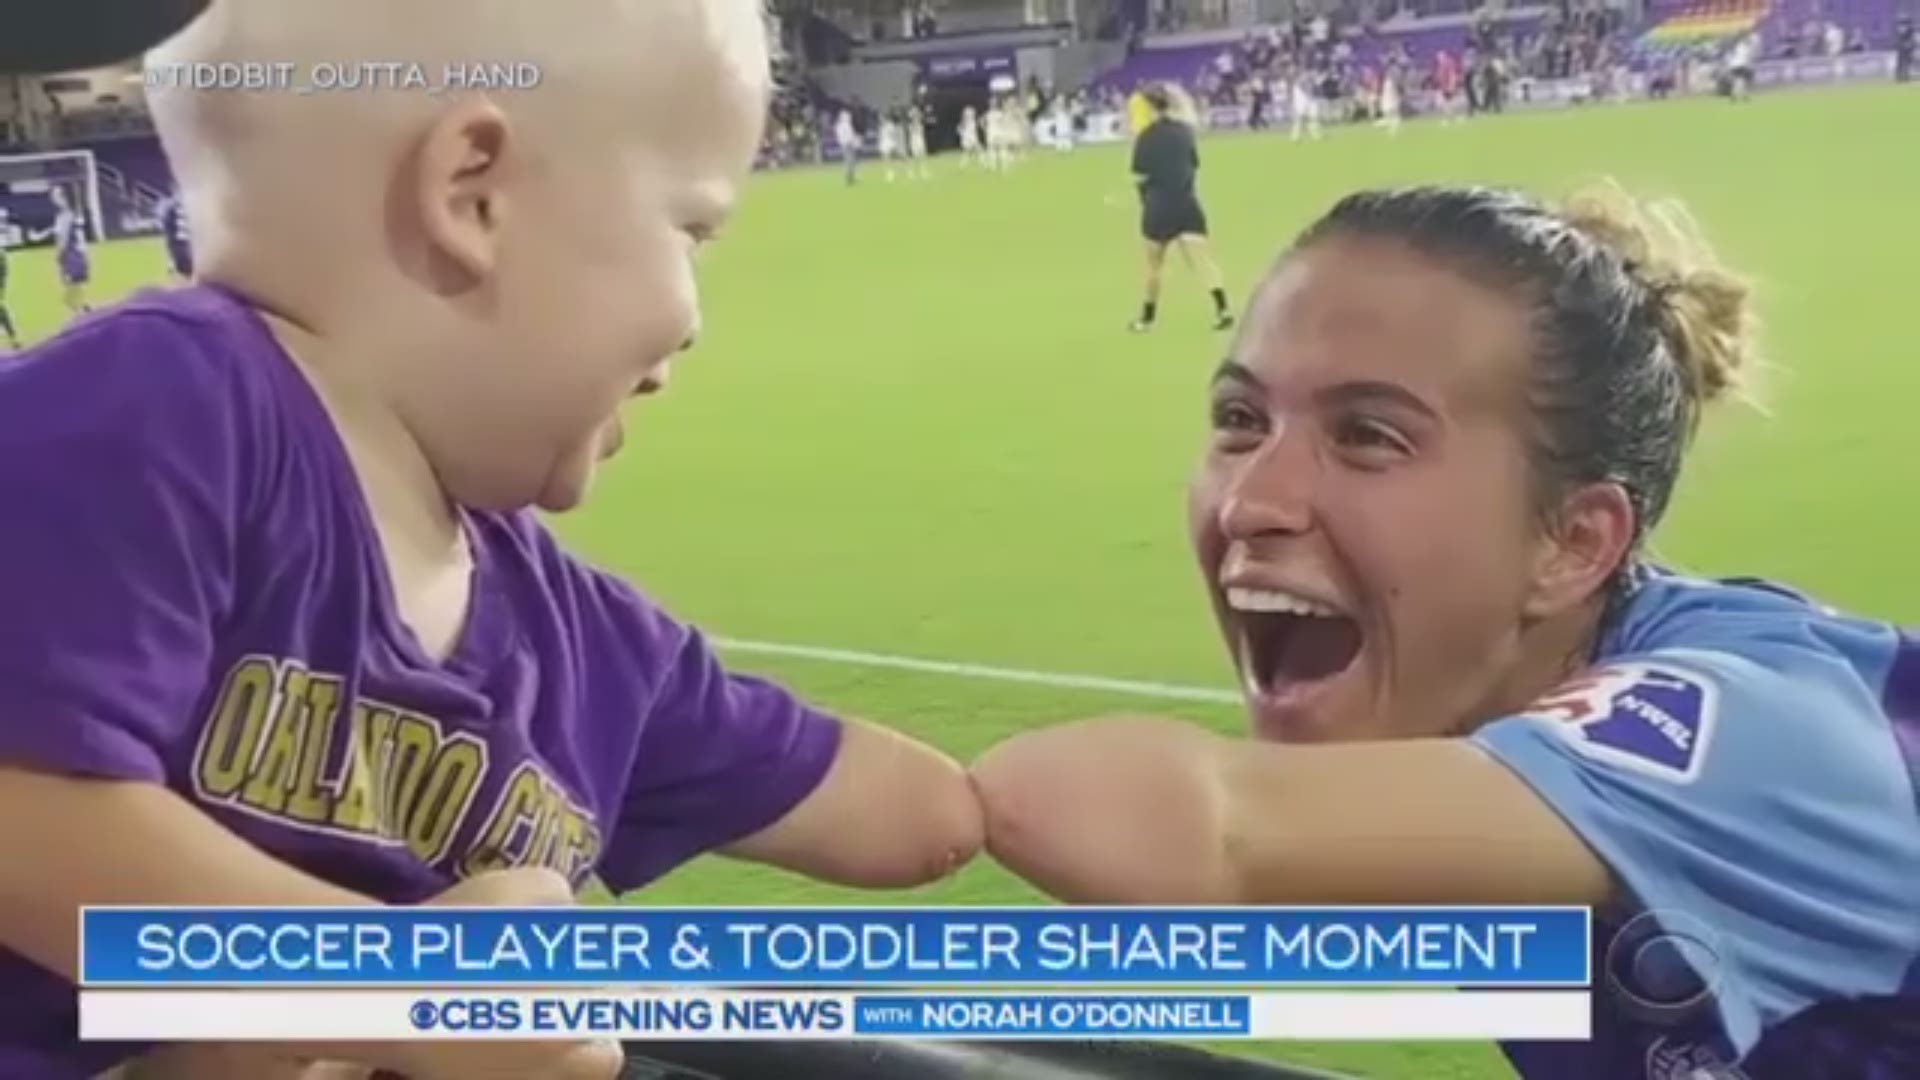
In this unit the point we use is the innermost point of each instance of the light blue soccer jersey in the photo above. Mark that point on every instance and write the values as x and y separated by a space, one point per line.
1748 764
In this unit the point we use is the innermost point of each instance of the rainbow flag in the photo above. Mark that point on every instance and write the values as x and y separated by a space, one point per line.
1698 26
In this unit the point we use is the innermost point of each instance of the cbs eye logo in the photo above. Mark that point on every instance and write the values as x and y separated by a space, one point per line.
1664 967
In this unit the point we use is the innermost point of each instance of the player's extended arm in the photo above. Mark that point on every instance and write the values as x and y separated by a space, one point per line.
891 813
1159 812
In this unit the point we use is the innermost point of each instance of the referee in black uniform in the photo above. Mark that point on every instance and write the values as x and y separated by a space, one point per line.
1165 162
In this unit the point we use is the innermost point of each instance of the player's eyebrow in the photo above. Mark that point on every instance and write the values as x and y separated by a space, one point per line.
1233 371
1375 392
1353 392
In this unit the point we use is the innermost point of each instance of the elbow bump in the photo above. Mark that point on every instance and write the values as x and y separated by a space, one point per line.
928 826
952 830
1010 797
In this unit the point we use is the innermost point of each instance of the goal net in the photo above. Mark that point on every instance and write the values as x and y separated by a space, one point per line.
26 192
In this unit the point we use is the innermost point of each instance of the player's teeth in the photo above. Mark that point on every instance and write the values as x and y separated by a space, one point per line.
1273 600
1249 674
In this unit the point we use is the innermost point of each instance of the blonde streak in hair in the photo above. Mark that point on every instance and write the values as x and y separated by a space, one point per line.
1709 308
1714 303
1608 214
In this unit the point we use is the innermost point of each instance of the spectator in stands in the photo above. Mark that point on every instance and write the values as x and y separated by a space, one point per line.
1903 42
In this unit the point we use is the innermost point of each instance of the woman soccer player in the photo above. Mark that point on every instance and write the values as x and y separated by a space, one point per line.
1450 422
969 137
1165 165
69 234
1390 100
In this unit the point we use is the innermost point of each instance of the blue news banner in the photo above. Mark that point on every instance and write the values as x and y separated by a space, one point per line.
427 970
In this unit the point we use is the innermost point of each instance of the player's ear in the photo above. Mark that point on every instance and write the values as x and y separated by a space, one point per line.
460 190
1580 548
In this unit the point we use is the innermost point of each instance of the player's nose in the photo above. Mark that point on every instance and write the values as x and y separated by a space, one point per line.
1271 494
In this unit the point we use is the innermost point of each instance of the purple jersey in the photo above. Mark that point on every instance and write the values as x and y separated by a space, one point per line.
196 597
70 238
70 233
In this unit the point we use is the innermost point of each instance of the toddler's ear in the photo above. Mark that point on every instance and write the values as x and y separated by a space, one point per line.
459 190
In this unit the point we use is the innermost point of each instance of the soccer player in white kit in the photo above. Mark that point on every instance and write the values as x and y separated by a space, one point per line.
969 137
1739 67
1390 100
1305 107
917 143
999 138
849 142
1063 135
889 144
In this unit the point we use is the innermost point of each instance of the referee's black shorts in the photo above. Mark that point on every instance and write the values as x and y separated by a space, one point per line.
1163 220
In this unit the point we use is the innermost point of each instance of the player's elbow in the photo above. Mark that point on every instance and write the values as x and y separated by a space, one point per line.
1028 815
1016 807
1064 813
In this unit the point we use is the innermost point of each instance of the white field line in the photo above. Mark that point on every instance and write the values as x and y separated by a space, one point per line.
1057 680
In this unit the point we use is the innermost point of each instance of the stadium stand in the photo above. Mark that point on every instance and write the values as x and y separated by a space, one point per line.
1672 44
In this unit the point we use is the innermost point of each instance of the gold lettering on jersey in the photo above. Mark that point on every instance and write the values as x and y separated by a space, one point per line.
369 748
414 744
445 794
309 800
232 735
401 778
271 777
535 823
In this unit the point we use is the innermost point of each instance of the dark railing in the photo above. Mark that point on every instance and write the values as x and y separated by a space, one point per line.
816 1060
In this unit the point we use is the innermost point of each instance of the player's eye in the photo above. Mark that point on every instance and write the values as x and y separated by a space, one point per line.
1373 440
1237 424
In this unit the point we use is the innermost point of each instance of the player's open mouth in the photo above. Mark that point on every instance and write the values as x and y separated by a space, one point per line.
1289 644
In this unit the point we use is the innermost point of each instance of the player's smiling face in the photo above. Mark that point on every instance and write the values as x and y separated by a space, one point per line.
1362 515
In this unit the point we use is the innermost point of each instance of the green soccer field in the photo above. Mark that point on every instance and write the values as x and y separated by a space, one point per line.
916 427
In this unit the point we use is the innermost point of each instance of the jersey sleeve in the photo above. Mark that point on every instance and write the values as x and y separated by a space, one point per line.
720 756
118 465
1755 803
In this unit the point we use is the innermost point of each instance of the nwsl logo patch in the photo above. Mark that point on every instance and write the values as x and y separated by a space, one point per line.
1686 1062
1650 718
